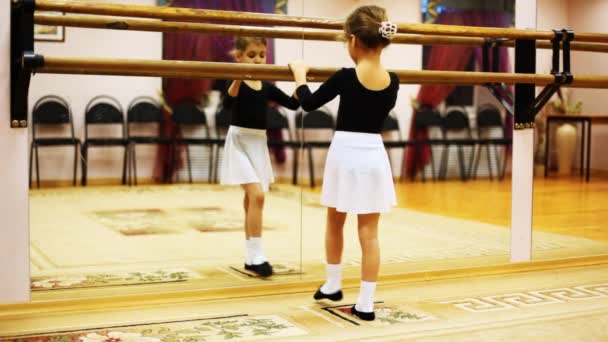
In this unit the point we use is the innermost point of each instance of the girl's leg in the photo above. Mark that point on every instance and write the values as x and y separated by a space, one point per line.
253 223
246 207
334 243
248 252
370 249
254 202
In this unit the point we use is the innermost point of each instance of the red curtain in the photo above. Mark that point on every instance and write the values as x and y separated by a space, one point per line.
452 58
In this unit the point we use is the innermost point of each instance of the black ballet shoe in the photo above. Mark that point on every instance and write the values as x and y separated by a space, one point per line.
336 296
366 316
263 270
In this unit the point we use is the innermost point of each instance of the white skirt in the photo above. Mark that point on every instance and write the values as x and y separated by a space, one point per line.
246 158
358 178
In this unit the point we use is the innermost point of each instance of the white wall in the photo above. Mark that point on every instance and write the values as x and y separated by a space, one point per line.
14 234
551 14
591 17
56 162
557 14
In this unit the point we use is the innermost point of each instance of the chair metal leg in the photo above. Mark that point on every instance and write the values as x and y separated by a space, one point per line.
211 162
76 146
475 164
443 168
129 166
188 161
504 163
134 161
498 164
403 163
471 168
31 159
37 168
489 157
461 163
296 157
217 164
311 168
433 172
124 165
84 167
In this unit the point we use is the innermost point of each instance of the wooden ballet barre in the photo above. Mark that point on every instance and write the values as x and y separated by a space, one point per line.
116 23
229 17
190 69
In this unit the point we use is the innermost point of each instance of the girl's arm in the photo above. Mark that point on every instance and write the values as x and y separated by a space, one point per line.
326 92
233 90
231 93
278 96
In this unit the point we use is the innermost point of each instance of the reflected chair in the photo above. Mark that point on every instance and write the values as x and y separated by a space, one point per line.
104 110
316 120
144 111
188 117
489 120
52 111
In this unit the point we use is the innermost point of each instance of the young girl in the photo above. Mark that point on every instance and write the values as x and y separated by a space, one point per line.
246 160
358 177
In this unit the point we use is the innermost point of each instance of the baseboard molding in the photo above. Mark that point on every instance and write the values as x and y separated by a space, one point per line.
64 306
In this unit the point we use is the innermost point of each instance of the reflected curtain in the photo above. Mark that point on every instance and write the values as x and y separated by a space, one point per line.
454 58
197 47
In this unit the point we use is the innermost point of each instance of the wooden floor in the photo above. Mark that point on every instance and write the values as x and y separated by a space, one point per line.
561 205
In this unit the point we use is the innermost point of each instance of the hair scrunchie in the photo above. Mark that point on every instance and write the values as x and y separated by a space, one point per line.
387 29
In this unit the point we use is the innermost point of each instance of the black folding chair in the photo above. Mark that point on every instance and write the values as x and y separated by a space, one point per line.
456 121
187 116
54 111
426 118
144 111
314 120
490 120
107 111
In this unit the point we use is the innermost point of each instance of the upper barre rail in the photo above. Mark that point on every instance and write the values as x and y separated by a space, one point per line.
229 17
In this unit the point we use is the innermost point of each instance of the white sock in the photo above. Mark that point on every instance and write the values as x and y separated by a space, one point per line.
365 302
248 252
257 256
333 283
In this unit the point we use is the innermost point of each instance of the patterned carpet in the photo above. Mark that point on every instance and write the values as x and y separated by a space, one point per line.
108 236
555 305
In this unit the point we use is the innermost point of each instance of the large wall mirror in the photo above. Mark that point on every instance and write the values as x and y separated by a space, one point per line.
135 180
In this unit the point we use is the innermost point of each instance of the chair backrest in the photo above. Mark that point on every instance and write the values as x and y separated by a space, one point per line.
51 110
489 116
103 110
390 124
276 120
188 115
456 119
143 110
427 117
186 112
316 119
